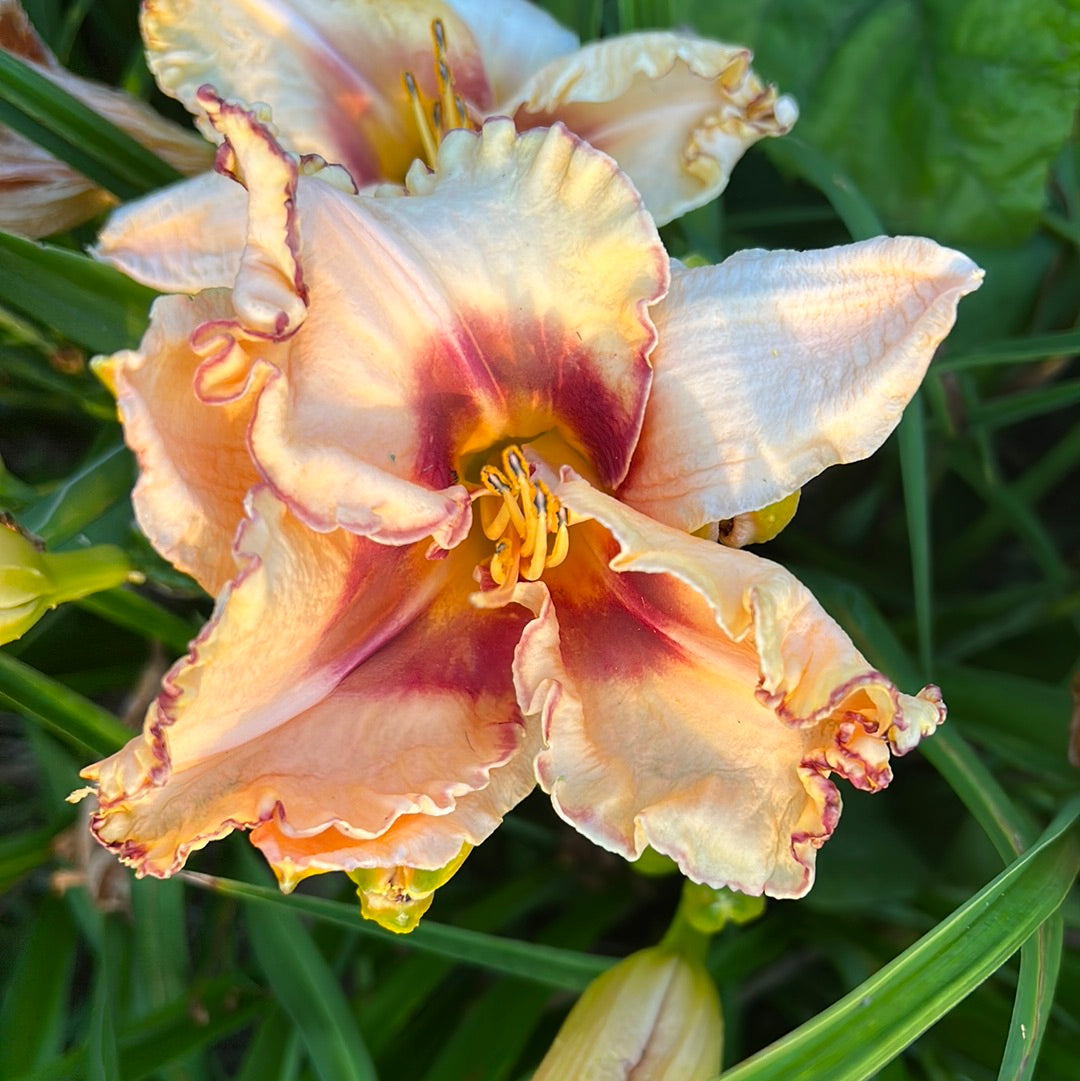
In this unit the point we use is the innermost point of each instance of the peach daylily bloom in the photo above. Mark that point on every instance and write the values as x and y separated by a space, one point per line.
439 454
675 111
39 194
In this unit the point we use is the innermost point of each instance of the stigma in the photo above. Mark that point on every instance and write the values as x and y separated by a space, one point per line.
525 520
447 111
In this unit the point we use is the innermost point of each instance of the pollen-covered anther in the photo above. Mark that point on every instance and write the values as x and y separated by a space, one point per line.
528 524
447 111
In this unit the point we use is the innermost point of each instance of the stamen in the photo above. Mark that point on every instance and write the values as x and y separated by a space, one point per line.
529 524
428 133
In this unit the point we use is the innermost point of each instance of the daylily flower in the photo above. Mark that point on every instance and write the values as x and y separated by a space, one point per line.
440 455
40 195
676 112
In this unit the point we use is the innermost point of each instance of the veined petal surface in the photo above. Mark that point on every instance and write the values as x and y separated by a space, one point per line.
697 698
676 112
340 684
775 365
330 69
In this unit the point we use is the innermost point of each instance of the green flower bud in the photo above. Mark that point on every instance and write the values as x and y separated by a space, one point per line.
32 580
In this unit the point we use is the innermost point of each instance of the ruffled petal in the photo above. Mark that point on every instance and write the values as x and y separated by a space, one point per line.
40 195
515 39
339 685
330 70
194 465
773 366
413 840
676 112
446 339
182 239
697 698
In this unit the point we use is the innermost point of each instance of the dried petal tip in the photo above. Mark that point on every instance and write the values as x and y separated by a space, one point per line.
396 897
656 1015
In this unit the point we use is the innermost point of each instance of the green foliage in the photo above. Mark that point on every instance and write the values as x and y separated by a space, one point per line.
950 556
947 113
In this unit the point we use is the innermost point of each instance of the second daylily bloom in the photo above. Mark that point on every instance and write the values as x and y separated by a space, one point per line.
40 195
676 111
466 433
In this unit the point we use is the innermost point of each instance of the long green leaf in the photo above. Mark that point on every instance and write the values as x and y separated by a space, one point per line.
77 721
39 109
307 990
550 965
86 301
870 1026
912 437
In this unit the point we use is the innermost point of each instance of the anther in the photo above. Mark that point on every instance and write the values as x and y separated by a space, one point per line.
427 133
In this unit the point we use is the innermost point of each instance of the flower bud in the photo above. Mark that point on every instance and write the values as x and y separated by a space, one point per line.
32 581
654 1015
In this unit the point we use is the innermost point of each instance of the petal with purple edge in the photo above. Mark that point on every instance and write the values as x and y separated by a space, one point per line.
448 340
696 699
773 366
194 465
345 635
676 112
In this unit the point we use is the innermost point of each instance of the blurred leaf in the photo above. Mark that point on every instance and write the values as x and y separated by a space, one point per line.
22 852
86 301
205 1014
960 106
36 107
870 1026
35 1008
137 613
307 990
912 439
1036 347
59 709
545 964
101 481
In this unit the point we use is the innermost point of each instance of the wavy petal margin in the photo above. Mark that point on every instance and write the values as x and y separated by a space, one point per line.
676 112
775 365
339 685
696 698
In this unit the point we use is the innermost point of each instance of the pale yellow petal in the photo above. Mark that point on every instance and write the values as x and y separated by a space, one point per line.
773 366
676 112
182 239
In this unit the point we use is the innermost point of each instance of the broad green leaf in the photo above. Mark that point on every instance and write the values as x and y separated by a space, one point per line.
870 1026
86 301
947 113
47 115
549 965
22 852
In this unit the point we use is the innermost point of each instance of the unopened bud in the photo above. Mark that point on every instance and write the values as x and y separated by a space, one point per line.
654 1015
32 580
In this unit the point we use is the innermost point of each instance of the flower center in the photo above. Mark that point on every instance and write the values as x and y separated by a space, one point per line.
524 519
435 117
